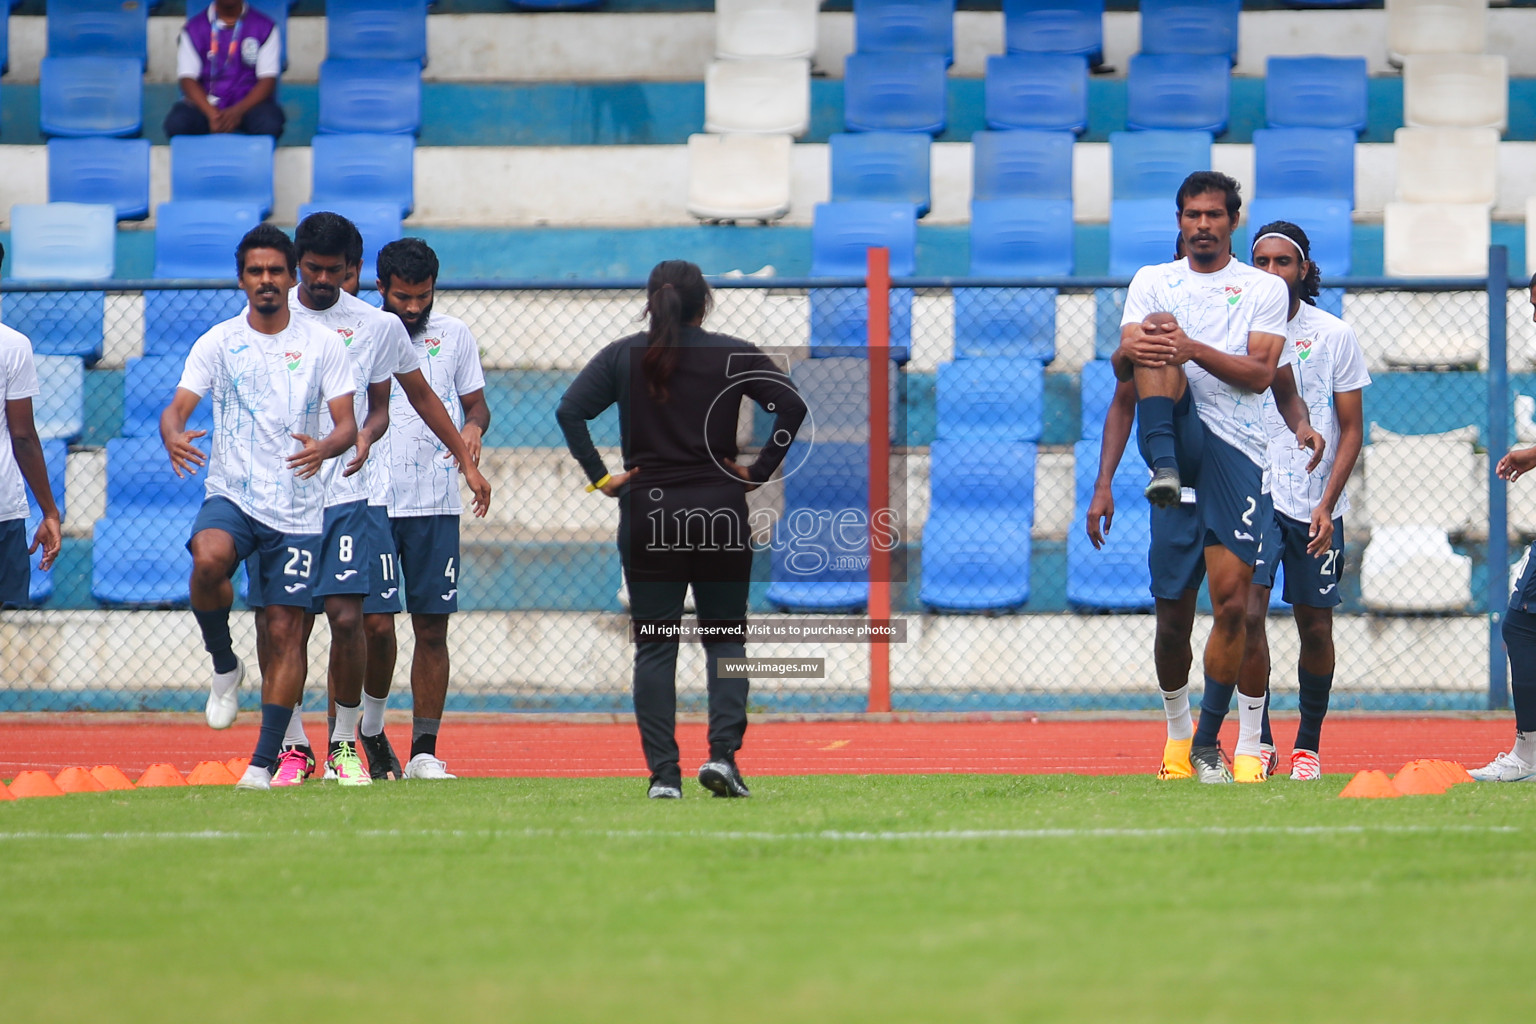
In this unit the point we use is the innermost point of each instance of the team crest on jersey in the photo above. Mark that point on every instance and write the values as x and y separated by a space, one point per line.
434 346
1234 294
294 358
1303 348
346 335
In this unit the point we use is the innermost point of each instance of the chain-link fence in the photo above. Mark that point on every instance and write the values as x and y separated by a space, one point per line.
997 405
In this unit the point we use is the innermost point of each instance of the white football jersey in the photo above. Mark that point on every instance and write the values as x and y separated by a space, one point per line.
265 388
378 347
1327 359
423 480
1219 310
18 379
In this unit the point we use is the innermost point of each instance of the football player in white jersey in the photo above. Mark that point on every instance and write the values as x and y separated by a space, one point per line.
1306 533
22 459
1202 339
424 503
357 554
270 376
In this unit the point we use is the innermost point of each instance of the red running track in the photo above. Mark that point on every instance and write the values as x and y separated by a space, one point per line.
484 745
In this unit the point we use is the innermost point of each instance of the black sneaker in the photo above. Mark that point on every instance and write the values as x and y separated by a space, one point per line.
662 789
722 778
1165 489
1209 765
382 762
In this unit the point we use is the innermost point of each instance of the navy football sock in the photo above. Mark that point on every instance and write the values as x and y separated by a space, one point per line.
1313 700
1214 705
274 723
1265 736
1154 423
216 641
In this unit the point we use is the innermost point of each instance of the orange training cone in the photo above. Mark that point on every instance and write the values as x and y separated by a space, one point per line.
210 773
237 766
1417 778
161 775
1369 785
34 784
5 794
1454 772
111 777
78 780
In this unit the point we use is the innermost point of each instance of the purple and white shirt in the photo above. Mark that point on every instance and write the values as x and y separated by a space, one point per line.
227 60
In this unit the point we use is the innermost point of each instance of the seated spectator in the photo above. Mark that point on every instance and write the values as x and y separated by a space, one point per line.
227 60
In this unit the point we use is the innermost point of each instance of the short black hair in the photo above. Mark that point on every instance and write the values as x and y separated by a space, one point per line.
1202 182
329 234
265 236
1531 285
410 259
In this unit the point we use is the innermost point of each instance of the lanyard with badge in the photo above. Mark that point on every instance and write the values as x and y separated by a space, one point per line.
217 63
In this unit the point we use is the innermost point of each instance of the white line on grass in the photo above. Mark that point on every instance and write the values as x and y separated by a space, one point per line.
833 836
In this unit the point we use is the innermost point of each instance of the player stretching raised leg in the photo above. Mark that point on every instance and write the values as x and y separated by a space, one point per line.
271 375
1518 764
22 459
424 504
1199 414
1306 533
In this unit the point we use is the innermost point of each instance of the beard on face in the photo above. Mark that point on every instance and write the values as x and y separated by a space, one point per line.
415 328
268 302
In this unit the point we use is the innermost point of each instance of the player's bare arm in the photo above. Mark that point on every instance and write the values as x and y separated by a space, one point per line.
1516 464
1119 419
306 462
477 420
1349 410
1296 415
1141 345
374 425
1253 371
28 452
185 456
435 415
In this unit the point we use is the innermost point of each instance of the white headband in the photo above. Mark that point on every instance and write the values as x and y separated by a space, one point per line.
1277 234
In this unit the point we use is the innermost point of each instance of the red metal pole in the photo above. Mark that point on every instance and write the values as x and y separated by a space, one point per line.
879 469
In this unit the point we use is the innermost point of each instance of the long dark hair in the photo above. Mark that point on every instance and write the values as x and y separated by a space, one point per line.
1311 282
675 295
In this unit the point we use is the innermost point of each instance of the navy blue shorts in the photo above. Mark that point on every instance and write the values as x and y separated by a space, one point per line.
1230 507
15 566
1522 596
1309 581
344 561
282 566
428 549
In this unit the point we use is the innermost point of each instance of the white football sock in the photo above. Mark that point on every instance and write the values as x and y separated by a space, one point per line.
1525 746
295 737
1181 726
373 714
1250 725
346 723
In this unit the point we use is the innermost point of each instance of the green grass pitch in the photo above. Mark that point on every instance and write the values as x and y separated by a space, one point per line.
938 898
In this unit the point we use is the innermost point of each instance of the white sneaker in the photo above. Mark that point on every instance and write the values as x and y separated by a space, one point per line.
1305 767
255 778
224 697
1505 768
425 766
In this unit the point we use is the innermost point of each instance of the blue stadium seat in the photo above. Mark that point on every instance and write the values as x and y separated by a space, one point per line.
556 5
1153 164
815 563
1190 92
1055 26
841 234
198 238
59 408
1207 27
5 43
1115 578
149 384
1108 308
55 454
63 241
1314 162
1327 222
378 223
1141 232
277 10
98 28
139 556
174 318
1047 92
1331 300
840 321
376 29
80 96
59 323
905 26
1021 165
1000 399
1005 323
1316 92
365 167
976 543
1021 237
230 167
889 167
1096 384
894 92
113 171
381 96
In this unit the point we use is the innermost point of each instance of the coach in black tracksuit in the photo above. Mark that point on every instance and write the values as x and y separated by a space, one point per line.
682 502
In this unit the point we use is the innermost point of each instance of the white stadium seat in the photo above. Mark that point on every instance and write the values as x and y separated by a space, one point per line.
1436 239
739 177
1436 26
1414 569
1455 90
1399 469
764 97
1447 165
748 29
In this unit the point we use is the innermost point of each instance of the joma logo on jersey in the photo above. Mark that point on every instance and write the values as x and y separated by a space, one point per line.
1303 348
1234 294
294 358
346 335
